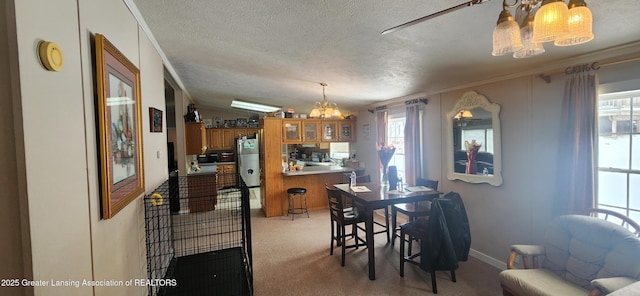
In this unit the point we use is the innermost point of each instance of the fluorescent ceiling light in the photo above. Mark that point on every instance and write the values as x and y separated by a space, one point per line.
253 106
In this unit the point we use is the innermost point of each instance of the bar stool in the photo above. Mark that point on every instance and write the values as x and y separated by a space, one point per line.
301 193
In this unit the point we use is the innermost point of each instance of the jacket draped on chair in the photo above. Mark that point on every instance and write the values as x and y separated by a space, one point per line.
448 238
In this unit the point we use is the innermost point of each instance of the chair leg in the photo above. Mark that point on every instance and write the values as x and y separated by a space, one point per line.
394 216
433 282
401 253
354 231
343 245
386 222
333 237
453 276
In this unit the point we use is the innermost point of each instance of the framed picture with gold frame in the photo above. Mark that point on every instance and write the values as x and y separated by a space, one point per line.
119 128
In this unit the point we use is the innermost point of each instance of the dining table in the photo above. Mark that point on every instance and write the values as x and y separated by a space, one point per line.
373 196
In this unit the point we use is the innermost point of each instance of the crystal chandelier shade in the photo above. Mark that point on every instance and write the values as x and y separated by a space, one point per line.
550 21
580 23
530 48
506 35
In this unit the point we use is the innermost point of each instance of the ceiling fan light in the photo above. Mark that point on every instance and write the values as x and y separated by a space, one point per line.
580 23
530 48
506 35
550 21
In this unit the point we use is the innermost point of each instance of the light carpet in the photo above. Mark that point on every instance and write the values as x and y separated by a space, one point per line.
292 258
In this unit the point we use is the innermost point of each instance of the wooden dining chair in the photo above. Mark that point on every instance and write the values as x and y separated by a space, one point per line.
340 219
412 210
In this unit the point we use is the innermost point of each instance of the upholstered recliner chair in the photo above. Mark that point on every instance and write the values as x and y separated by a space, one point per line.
581 255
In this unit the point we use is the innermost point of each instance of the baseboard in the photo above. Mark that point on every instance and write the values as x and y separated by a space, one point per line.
488 259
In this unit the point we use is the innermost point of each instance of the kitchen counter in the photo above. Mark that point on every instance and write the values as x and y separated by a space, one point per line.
204 170
316 170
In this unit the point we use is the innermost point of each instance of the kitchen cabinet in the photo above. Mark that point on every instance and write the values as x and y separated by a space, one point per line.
227 175
310 131
329 130
195 138
214 138
225 138
295 131
346 131
228 139
291 131
202 192
245 132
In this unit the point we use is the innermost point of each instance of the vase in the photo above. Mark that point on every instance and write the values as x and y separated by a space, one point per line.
385 175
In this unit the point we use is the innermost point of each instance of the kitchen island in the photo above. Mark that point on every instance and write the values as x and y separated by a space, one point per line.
314 178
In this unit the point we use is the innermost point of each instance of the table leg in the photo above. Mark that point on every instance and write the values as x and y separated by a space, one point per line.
370 244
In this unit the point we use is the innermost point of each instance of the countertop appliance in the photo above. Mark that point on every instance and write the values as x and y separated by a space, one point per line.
227 156
211 157
248 161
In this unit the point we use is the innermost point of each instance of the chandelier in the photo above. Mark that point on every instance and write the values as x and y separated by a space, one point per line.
325 109
540 21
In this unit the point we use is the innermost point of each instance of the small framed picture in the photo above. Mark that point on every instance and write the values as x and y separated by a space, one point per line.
155 120
217 121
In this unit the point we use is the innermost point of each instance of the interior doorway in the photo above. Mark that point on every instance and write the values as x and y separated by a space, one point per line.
170 114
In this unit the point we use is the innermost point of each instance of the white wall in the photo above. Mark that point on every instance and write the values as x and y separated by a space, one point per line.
69 240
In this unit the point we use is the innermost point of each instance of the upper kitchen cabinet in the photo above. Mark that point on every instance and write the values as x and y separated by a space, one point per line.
310 130
196 138
329 130
221 138
291 131
245 132
346 131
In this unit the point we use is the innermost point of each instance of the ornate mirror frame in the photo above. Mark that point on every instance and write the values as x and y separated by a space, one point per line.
469 101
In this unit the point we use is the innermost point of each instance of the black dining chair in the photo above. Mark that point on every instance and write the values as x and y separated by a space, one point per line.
340 219
382 226
412 210
445 238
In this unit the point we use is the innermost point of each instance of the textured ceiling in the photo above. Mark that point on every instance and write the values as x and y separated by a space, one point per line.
277 52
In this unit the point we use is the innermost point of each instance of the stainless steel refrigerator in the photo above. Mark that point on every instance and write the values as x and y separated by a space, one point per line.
248 161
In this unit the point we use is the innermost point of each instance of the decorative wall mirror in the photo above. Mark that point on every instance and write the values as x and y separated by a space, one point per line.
473 140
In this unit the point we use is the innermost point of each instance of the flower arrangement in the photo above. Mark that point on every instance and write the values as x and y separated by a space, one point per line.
385 153
472 151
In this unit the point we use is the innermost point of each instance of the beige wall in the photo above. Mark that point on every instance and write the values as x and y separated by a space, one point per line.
54 147
13 254
68 238
517 212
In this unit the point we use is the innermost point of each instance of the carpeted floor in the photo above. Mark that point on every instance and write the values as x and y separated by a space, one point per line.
292 258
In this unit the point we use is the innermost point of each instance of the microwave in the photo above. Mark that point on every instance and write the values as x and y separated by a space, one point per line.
210 157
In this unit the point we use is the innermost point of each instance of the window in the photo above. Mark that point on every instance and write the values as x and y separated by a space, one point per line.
395 137
619 153
339 150
484 136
